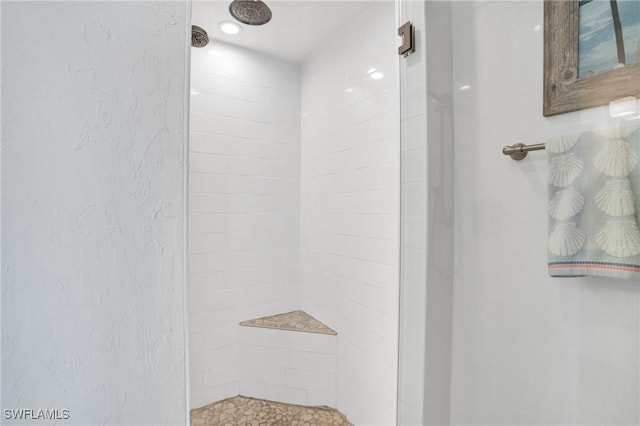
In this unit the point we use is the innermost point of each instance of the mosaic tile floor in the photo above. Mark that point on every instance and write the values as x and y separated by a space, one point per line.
245 411
293 321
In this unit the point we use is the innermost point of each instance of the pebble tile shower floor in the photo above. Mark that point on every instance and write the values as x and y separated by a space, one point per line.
245 411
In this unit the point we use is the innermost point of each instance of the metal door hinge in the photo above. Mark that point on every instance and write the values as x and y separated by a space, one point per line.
407 33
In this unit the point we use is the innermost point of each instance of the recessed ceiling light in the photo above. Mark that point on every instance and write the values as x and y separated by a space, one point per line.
229 27
465 87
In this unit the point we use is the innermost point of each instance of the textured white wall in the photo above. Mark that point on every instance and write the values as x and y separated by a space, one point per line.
244 205
527 349
350 214
93 119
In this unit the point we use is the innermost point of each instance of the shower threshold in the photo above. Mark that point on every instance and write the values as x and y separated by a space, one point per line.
245 411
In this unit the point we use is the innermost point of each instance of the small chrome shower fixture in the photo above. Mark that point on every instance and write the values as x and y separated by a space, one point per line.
199 37
250 12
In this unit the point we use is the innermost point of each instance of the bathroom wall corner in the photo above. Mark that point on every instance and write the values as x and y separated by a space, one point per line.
427 217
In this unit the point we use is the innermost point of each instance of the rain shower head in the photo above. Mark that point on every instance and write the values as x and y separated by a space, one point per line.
250 12
199 37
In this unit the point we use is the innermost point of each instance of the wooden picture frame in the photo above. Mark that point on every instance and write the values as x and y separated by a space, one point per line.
563 90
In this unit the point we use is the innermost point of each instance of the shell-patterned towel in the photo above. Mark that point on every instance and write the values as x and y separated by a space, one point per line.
594 203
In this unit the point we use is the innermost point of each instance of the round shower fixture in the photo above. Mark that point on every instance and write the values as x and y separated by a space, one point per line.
250 12
199 37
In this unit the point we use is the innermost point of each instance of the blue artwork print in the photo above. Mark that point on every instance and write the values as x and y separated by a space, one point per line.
609 35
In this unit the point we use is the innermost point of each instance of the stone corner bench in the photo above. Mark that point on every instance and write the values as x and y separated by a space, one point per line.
289 357
291 321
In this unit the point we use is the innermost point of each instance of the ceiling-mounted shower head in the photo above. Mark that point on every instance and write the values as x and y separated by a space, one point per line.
250 12
199 37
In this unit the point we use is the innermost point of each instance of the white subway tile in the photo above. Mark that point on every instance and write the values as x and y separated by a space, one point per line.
212 340
268 355
319 362
267 374
210 359
215 300
196 380
212 394
220 374
312 342
315 398
207 83
308 380
286 394
253 388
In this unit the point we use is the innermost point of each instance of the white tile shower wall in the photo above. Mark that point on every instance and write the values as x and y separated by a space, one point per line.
244 205
285 366
528 349
93 146
350 214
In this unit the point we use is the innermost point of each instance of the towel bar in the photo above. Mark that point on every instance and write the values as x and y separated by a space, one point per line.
519 151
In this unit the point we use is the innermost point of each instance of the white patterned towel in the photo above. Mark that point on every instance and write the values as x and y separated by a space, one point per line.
594 204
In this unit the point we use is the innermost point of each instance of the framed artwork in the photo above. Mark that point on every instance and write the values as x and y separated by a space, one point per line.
591 53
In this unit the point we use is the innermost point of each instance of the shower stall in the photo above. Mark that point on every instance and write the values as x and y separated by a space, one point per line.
298 131
294 186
